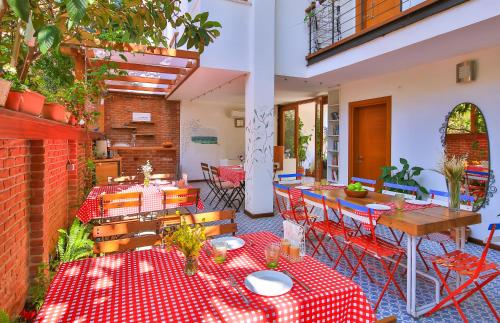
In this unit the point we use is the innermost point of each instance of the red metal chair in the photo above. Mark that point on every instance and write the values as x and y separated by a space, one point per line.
324 228
369 244
289 205
478 270
442 238
368 184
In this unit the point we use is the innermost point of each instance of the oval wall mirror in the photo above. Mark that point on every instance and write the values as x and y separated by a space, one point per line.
466 134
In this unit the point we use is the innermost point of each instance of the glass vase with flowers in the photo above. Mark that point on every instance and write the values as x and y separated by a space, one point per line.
147 170
453 169
189 239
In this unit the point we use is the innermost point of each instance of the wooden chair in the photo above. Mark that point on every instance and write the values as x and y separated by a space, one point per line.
181 198
214 229
122 204
162 176
128 235
125 180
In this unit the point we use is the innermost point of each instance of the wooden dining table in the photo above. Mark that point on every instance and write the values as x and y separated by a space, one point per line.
415 224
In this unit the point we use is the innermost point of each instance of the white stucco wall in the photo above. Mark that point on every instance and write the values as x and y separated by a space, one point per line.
421 97
196 115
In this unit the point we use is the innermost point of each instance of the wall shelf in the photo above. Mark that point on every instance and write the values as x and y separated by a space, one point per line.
125 128
145 134
142 122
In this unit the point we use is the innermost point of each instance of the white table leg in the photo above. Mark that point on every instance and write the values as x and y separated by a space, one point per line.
460 243
411 275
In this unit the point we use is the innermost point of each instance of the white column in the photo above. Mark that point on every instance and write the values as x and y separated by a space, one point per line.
259 110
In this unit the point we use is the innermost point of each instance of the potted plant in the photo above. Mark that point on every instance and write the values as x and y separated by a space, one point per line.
405 176
15 95
302 148
54 110
453 169
189 240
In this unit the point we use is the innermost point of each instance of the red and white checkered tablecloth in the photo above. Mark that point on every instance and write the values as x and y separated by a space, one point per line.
233 174
152 200
149 286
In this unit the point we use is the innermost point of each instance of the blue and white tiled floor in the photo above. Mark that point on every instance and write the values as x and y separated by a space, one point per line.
474 308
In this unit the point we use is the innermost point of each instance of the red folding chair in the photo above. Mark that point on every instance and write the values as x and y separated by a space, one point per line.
478 270
324 228
369 244
288 206
443 239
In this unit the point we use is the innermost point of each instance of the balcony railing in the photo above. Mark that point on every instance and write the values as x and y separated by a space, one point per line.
335 22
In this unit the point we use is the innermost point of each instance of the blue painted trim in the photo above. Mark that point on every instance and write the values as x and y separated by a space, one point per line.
289 175
313 195
364 180
401 187
490 227
463 197
281 187
473 172
353 206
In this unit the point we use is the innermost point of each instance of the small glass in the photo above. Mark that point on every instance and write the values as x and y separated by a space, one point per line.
219 250
324 182
285 247
399 201
294 251
272 253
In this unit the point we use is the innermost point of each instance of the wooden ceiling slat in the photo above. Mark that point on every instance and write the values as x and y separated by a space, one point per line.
135 88
128 78
144 68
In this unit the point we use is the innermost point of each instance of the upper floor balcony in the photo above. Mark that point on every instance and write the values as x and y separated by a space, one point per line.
338 25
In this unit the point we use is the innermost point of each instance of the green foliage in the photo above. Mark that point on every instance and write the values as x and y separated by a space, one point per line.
4 317
129 21
404 176
51 75
9 73
303 143
289 125
75 244
188 239
40 285
460 120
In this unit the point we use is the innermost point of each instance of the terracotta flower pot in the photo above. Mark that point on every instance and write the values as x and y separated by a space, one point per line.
55 112
32 103
300 170
14 100
4 91
72 120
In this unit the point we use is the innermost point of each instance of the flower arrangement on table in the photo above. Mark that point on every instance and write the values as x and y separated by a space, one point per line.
189 239
453 169
147 170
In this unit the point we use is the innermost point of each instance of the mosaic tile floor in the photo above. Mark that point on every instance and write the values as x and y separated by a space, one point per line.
474 308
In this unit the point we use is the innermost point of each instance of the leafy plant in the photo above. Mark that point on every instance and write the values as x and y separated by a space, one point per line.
10 74
403 176
4 317
303 143
75 244
40 285
188 239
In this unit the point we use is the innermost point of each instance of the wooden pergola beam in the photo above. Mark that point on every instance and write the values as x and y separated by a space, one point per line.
136 88
128 78
143 67
135 48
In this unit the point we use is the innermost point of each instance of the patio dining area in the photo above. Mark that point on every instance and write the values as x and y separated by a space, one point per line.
249 161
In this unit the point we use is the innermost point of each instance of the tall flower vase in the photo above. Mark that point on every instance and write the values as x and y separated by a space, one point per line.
190 265
146 180
454 195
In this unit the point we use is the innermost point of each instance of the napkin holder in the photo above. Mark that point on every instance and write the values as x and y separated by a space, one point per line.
295 234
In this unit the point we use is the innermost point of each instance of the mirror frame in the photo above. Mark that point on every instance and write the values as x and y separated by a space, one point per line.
491 189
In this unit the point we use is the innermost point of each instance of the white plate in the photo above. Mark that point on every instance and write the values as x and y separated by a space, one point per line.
418 202
232 242
268 283
169 188
378 207
303 187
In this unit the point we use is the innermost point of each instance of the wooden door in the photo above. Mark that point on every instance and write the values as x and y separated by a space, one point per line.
369 138
375 12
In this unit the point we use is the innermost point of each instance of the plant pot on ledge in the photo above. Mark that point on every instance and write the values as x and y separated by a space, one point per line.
14 100
54 111
32 103
4 91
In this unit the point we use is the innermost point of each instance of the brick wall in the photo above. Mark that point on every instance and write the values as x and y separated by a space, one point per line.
36 192
14 223
473 145
163 161
165 116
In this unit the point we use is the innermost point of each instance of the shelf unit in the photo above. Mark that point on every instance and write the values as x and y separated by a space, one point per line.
333 134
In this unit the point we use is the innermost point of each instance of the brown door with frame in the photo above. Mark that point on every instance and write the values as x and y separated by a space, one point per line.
369 138
375 12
